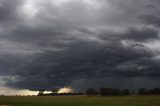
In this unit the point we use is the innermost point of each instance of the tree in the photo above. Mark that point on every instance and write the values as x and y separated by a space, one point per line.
41 92
91 91
55 91
115 92
143 91
156 91
105 91
126 92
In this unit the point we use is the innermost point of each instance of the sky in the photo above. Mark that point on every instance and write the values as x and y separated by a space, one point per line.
45 44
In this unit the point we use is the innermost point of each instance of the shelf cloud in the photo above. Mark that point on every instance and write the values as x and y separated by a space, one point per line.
49 43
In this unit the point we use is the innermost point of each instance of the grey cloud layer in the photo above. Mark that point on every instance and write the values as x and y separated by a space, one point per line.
45 44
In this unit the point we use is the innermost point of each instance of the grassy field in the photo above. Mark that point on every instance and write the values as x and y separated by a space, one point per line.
82 101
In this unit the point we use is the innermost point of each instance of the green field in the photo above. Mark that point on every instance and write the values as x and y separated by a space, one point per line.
82 101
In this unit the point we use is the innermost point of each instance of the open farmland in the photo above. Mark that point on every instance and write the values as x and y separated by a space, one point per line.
81 101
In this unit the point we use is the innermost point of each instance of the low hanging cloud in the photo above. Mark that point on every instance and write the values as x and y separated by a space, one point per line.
49 43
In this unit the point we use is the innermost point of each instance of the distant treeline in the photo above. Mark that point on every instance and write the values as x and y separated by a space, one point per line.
145 91
118 92
108 92
105 92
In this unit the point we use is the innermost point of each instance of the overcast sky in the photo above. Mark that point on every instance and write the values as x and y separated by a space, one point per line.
79 43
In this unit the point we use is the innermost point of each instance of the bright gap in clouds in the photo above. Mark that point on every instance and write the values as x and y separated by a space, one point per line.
65 90
59 2
25 92
91 3
29 8
9 91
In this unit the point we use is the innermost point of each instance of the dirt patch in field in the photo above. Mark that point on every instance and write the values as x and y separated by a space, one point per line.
5 105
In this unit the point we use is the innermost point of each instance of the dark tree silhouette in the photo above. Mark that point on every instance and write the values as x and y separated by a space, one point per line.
142 91
126 92
55 91
113 92
156 91
91 92
41 92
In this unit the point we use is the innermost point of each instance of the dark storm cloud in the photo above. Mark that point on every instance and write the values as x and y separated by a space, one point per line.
151 20
8 10
140 35
47 44
115 82
78 62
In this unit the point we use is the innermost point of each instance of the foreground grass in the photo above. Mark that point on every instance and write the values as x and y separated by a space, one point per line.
82 101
